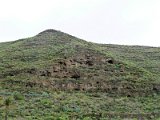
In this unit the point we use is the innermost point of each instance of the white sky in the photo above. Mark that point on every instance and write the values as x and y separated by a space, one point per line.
131 22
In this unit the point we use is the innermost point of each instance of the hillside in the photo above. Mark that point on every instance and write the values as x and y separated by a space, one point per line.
54 75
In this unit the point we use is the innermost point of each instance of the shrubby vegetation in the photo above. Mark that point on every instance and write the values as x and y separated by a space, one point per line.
55 76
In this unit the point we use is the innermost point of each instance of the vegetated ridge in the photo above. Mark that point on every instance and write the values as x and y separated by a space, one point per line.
56 61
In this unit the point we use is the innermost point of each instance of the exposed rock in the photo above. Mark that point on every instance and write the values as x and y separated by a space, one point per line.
89 62
110 60
156 88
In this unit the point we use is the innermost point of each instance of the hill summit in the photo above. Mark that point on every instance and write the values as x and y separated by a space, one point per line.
49 31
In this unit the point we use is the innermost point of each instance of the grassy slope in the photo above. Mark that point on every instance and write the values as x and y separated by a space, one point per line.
146 57
132 80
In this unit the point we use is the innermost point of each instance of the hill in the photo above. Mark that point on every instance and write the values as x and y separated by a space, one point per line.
54 75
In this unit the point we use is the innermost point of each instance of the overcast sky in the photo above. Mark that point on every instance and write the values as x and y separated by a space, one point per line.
128 22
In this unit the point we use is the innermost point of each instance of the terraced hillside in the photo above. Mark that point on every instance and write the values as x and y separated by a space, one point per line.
54 75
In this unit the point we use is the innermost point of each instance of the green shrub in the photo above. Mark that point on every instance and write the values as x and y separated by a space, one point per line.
18 96
49 118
